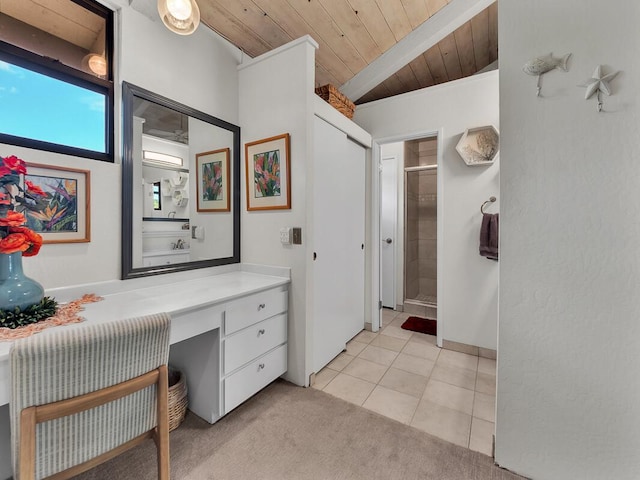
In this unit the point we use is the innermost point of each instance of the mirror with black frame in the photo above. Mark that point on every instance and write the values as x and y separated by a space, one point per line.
180 187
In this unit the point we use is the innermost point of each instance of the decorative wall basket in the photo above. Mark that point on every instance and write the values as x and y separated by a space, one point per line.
479 146
336 99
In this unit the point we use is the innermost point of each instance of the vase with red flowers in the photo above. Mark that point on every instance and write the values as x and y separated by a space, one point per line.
21 298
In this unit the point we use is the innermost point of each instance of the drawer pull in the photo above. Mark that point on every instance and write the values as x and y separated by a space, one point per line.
261 306
261 366
261 332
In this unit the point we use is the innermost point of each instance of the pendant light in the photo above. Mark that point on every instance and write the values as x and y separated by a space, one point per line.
179 16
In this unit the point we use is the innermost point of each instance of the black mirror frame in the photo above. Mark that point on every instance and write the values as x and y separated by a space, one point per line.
130 91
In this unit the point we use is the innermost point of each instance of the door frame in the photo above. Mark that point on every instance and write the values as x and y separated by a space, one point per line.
375 225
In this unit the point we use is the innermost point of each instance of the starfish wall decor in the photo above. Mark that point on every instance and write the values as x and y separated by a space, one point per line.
598 84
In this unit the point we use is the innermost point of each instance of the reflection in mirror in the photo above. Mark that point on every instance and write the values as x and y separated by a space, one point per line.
163 230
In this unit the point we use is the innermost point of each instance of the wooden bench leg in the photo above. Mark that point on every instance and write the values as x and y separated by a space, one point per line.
27 453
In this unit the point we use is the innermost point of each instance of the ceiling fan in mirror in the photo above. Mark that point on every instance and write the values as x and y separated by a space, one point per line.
174 127
180 136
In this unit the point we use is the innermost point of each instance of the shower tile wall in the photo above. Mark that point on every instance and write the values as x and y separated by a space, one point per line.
427 237
421 222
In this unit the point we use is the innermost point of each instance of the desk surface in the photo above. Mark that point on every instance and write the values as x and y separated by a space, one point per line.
173 298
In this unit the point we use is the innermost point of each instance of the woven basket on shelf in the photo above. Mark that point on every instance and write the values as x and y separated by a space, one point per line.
177 398
337 100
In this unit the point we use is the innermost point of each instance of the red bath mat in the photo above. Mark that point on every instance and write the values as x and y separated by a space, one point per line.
421 325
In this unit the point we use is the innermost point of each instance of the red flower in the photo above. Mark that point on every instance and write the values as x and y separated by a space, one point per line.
13 219
13 236
15 164
14 242
33 240
35 189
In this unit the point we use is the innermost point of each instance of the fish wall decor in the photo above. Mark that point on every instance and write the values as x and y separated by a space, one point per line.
540 65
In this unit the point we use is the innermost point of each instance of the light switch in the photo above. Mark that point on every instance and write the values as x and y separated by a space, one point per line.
285 235
297 236
197 232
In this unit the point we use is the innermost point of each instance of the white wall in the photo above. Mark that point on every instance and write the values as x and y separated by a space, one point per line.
568 391
199 71
467 306
275 94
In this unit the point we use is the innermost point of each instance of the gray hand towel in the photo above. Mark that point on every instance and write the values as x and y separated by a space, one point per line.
489 236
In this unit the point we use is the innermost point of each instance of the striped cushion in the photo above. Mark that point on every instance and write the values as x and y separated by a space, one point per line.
67 363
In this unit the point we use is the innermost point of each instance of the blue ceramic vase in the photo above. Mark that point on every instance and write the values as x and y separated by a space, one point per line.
16 289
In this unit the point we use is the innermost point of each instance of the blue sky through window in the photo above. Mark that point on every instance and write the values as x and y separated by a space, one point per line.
35 106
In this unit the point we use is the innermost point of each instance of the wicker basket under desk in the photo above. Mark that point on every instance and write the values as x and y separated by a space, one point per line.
337 100
177 398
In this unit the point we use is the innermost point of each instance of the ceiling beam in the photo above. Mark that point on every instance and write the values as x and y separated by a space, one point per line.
442 23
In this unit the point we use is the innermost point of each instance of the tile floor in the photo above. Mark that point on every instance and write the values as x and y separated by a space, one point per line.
405 376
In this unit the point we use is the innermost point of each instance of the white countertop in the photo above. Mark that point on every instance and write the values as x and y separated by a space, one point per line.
173 298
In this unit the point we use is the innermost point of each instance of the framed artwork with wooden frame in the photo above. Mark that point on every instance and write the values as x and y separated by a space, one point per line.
268 173
66 217
213 181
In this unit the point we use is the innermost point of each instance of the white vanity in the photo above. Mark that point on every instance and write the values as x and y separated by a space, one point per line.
248 350
228 331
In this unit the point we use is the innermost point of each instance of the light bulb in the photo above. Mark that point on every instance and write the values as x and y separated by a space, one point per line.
179 9
98 65
179 16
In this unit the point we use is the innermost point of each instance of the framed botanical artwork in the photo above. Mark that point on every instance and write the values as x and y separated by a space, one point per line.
66 215
212 181
268 173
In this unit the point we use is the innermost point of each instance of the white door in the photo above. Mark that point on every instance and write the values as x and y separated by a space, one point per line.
354 209
388 219
338 236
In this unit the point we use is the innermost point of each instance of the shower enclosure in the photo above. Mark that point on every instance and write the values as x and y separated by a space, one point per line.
420 282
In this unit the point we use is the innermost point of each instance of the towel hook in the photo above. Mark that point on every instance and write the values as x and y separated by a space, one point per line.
491 200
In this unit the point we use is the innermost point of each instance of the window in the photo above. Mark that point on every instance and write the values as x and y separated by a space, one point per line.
56 89
157 199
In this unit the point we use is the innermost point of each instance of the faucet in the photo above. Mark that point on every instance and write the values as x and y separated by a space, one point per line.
170 213
179 245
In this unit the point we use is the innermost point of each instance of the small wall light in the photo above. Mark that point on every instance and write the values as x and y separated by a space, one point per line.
96 63
179 16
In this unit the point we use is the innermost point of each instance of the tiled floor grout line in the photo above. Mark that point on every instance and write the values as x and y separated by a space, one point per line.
428 379
435 361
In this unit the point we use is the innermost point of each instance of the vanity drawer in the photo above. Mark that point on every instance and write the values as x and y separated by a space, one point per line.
254 377
253 341
254 308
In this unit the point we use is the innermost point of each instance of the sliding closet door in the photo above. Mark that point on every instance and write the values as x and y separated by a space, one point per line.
338 239
354 210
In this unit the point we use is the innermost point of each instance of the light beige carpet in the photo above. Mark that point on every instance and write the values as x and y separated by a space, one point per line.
287 432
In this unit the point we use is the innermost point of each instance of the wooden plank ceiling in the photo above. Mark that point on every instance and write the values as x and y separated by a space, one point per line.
354 33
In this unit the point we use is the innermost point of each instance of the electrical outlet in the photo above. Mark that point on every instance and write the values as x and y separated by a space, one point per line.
297 236
285 235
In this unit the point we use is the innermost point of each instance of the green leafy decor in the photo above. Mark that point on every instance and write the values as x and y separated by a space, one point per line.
32 314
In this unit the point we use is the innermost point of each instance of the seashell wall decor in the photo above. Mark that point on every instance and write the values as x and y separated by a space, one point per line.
479 146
